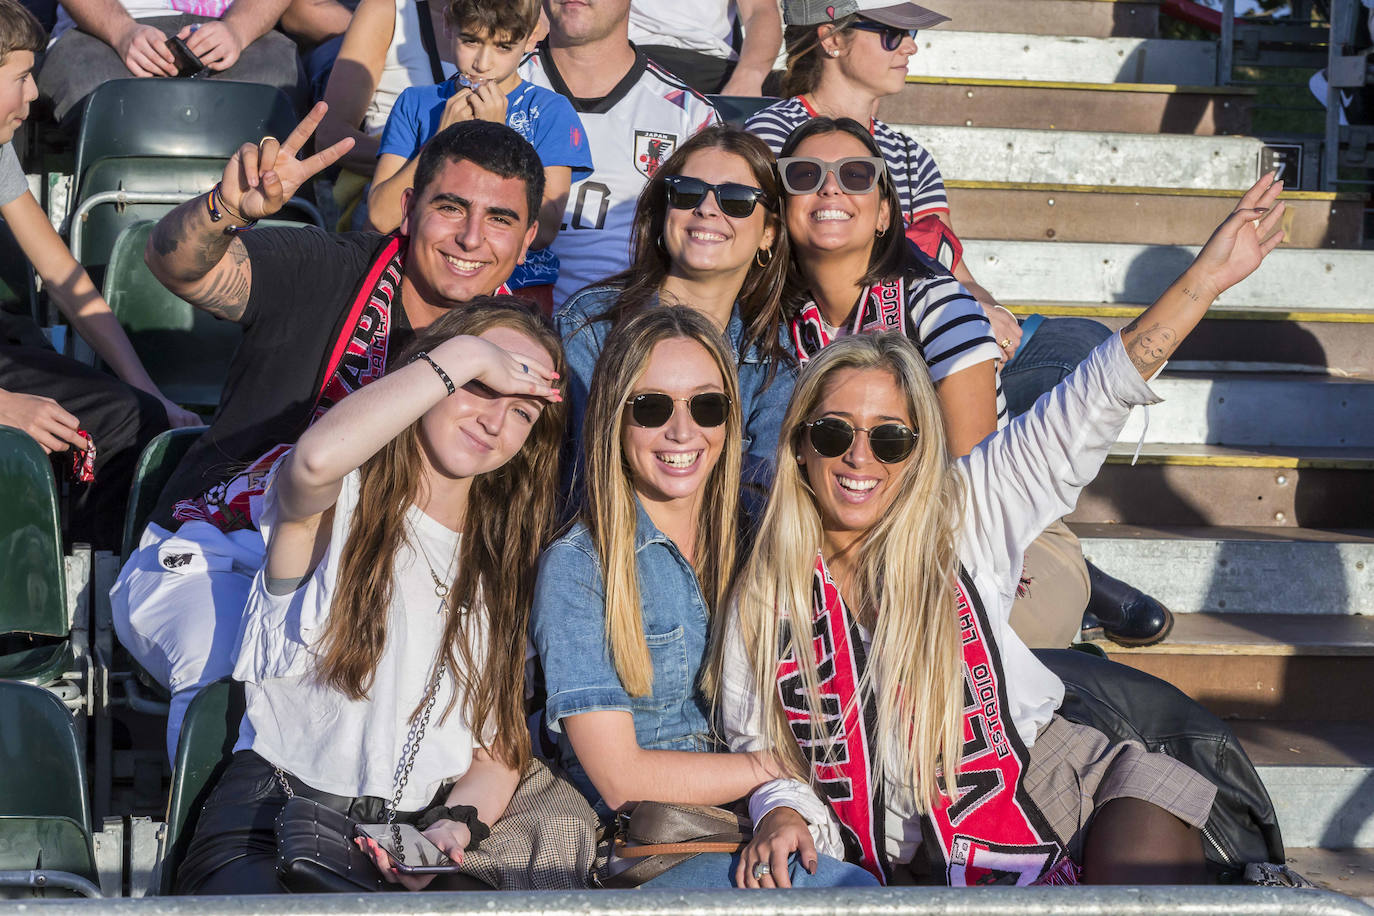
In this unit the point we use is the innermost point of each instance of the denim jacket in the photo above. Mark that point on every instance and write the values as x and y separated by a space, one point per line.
568 627
762 402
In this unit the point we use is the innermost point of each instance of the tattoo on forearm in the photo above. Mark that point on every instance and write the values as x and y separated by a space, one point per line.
188 242
1148 348
224 290
1190 293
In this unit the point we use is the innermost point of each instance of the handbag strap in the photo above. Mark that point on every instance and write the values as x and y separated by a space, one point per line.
720 842
427 41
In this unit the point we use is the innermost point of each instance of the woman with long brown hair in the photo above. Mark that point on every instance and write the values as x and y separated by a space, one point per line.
706 235
387 630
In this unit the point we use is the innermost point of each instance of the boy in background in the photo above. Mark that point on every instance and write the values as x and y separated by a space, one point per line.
45 394
490 38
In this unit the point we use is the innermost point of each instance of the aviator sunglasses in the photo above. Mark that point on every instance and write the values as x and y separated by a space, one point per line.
735 200
651 410
890 34
854 174
890 443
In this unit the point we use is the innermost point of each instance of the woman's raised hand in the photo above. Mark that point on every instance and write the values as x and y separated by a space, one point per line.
261 177
497 368
777 836
1240 243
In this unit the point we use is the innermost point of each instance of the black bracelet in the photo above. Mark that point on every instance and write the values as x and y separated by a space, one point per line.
448 382
217 194
459 814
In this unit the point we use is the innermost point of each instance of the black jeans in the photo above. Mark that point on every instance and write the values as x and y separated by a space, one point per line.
234 849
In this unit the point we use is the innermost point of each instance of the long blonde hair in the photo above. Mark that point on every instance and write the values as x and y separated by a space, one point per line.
509 517
907 567
610 508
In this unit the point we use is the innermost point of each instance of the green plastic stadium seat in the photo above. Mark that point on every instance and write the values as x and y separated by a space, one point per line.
45 819
736 109
187 351
206 743
155 465
33 591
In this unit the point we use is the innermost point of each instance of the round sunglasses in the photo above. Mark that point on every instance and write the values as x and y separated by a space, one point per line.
890 34
735 200
652 409
854 174
890 443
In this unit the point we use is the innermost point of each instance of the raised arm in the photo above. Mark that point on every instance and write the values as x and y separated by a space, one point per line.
199 257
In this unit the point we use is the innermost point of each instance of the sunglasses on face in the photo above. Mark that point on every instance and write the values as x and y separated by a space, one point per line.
735 200
854 174
890 34
890 443
651 410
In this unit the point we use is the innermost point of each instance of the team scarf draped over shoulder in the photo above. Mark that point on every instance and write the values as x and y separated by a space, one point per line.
991 832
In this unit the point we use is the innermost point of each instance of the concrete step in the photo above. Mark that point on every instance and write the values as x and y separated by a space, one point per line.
1287 667
1320 776
1090 18
1257 409
1090 158
1345 871
1219 485
984 55
1147 108
1240 338
1242 570
1294 279
1147 216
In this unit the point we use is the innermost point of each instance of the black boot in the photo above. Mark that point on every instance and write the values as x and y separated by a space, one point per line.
1125 615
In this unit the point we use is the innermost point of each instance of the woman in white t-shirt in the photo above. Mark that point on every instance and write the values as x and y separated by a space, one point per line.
872 648
402 534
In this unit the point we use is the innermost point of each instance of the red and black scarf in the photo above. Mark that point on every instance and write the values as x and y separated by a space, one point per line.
991 832
883 309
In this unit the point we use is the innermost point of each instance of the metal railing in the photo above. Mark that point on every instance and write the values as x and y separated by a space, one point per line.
990 901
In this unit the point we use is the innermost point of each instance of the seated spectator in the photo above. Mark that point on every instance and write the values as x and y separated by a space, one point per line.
323 315
722 47
48 396
725 258
635 114
843 58
489 39
388 48
624 601
100 40
338 661
873 608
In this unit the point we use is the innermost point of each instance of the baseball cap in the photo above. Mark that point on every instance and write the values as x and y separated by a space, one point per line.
898 15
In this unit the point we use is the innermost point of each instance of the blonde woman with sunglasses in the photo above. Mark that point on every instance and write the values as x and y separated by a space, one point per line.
872 648
624 601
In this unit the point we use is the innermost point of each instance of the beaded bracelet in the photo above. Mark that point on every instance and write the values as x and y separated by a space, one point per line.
215 200
448 382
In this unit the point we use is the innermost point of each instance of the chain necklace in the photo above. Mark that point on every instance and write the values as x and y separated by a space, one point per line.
441 588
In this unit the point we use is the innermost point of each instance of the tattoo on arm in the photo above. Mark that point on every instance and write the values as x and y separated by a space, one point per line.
1149 347
224 290
201 262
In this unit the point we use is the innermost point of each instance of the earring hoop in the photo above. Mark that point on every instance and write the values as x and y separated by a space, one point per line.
760 260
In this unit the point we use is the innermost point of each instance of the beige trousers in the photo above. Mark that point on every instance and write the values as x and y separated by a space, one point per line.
1050 614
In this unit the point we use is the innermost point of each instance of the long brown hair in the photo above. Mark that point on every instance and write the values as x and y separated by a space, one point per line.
761 294
510 514
610 509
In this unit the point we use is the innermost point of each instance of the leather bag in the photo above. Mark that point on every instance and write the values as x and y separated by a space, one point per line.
660 835
316 853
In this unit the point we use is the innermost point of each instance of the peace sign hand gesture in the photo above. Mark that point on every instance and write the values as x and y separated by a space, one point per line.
261 177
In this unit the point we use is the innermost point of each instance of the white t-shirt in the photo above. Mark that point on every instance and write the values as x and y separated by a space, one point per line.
407 64
630 133
699 25
1017 481
331 743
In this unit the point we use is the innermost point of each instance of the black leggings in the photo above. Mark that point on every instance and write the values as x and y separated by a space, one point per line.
234 850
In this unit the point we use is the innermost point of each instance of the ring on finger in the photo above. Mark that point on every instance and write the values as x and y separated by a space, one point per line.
1005 343
266 138
761 869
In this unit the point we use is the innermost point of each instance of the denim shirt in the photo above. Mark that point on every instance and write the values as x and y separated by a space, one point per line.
762 402
568 627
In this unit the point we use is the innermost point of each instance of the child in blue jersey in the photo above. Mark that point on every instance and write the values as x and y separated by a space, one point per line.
490 37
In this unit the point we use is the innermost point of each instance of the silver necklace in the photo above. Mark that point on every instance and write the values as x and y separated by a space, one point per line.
441 588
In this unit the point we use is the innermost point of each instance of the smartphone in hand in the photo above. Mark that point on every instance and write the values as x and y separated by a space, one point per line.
188 64
415 854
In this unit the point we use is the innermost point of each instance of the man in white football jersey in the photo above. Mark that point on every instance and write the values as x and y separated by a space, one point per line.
635 114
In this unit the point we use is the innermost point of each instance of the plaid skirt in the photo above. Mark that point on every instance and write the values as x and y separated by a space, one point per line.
1075 769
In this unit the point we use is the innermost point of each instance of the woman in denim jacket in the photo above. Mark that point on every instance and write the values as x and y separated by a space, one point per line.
624 601
725 258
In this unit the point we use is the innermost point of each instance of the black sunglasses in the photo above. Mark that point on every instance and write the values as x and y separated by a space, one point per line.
734 200
890 34
651 410
831 437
